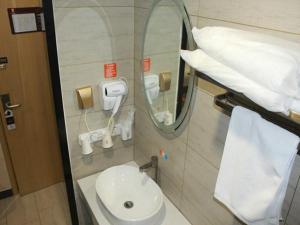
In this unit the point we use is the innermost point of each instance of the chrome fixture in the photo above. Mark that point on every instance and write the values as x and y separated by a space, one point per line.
152 164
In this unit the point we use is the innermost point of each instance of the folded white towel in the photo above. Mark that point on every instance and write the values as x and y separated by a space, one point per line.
270 100
255 168
270 65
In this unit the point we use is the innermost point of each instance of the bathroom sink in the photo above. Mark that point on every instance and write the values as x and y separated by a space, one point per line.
130 197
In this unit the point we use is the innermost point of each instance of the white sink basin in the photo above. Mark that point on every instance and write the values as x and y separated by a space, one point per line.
129 196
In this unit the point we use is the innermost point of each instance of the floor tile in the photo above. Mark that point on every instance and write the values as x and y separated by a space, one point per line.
49 197
54 216
23 211
44 207
3 221
6 203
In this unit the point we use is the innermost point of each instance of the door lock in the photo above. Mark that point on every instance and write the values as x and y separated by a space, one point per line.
3 63
8 111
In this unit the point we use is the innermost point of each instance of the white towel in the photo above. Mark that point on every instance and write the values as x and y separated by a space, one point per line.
255 168
270 65
270 100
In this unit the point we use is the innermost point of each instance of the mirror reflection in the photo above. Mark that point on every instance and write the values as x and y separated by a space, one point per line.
166 77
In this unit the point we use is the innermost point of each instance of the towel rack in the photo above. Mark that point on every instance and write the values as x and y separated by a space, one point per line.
232 98
229 100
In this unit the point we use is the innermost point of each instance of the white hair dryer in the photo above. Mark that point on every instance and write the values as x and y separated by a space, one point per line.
151 82
112 93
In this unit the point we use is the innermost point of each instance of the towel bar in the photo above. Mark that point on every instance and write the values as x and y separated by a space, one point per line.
229 100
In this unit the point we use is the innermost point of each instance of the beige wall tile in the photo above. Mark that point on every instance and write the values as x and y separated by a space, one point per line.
290 201
86 3
202 22
191 211
143 4
198 188
278 15
192 7
95 50
86 23
148 140
197 168
84 166
207 129
170 189
287 202
293 216
295 174
92 34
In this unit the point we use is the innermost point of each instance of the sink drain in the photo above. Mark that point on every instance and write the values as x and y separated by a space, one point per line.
128 204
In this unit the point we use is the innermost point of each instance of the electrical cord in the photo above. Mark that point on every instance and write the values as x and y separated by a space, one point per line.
85 121
111 121
127 84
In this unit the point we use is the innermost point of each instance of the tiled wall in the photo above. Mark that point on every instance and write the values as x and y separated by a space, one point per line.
4 177
91 33
188 177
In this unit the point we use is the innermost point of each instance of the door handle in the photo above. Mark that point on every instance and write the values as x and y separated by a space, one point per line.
3 66
15 106
3 63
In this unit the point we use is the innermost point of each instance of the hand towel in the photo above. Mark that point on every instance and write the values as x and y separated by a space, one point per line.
255 168
269 65
270 100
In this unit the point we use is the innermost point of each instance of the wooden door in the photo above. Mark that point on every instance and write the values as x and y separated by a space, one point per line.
33 146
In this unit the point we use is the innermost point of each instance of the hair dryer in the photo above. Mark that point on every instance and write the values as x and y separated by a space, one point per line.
112 94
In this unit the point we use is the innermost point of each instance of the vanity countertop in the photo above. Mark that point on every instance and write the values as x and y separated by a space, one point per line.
88 191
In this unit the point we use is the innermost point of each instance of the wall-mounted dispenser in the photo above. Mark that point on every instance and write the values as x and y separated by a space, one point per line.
85 97
111 94
151 82
165 81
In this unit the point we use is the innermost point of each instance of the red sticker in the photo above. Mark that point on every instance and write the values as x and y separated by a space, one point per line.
110 70
147 64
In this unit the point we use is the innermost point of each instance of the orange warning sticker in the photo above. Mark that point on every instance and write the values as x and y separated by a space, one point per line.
147 64
110 70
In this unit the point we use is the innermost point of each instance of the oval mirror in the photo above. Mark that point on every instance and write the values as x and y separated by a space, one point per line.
168 82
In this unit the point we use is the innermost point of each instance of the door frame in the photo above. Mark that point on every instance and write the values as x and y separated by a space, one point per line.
58 105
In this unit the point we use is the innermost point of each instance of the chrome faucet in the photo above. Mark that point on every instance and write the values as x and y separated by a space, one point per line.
152 164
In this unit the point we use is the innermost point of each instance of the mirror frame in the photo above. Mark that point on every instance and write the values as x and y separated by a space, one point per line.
191 86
